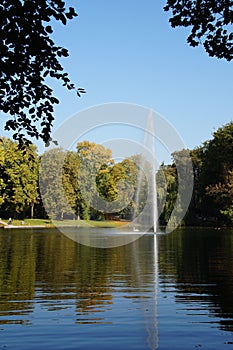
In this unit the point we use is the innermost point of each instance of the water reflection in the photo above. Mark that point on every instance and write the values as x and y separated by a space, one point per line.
198 267
50 267
46 278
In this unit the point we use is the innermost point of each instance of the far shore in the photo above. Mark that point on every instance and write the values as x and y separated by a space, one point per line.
46 223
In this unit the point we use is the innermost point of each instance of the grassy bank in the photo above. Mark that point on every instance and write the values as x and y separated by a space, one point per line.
48 223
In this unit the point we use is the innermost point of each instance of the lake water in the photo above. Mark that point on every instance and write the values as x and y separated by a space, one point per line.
168 292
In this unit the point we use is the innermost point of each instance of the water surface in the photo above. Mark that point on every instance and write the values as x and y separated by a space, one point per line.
174 291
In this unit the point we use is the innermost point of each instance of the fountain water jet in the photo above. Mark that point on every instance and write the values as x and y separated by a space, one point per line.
147 169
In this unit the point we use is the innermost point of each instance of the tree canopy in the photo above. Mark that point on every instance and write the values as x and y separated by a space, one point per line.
210 21
88 184
28 56
18 174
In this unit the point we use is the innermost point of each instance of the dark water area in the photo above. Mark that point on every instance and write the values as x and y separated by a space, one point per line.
168 292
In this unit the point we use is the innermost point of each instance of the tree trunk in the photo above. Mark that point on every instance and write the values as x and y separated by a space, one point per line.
32 210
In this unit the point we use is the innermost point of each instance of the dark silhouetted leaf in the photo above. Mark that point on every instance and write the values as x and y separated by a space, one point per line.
30 55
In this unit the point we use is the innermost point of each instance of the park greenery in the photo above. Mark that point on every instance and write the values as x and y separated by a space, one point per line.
71 194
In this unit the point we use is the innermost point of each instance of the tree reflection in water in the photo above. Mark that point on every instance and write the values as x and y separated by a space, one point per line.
84 285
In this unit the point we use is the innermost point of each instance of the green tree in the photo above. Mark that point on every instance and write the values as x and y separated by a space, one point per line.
178 186
52 190
70 172
124 178
93 160
194 214
217 165
137 169
2 183
28 56
210 21
222 194
19 177
169 172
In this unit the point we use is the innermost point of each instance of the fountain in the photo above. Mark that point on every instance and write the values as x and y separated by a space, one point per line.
147 170
151 143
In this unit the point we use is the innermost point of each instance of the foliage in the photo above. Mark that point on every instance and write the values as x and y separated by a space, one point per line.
212 200
222 194
77 183
213 165
19 177
29 55
126 173
94 160
51 184
2 183
210 21
168 190
216 170
70 170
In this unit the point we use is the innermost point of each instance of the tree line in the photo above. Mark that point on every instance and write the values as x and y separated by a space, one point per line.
88 184
212 199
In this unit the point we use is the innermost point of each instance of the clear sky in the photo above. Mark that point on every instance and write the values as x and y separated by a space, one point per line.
126 51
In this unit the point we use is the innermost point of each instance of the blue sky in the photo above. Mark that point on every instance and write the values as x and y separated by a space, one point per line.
126 51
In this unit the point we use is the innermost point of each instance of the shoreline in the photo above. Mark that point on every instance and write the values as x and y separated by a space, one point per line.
50 226
47 224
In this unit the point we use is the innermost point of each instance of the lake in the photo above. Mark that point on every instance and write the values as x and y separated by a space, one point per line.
171 291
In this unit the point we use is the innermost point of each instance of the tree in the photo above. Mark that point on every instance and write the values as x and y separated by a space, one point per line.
212 168
94 159
194 213
222 193
19 177
210 21
216 176
52 189
28 56
124 176
70 172
169 172
2 182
